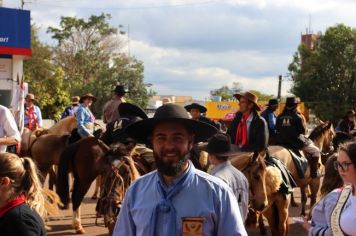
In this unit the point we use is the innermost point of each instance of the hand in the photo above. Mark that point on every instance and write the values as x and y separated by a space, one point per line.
306 224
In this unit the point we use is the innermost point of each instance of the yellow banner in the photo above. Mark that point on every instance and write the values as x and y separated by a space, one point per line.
217 110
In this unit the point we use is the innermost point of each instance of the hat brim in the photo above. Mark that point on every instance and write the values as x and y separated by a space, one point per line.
142 130
202 109
128 108
238 96
234 150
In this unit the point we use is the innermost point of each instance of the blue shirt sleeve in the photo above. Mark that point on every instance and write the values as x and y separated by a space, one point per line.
124 223
80 122
230 220
272 121
39 116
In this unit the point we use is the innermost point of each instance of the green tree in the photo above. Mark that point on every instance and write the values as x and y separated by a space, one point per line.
45 80
325 77
88 52
227 93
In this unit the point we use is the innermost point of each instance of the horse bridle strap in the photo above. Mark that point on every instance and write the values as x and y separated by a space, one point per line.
335 215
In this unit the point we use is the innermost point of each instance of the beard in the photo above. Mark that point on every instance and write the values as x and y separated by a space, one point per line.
171 168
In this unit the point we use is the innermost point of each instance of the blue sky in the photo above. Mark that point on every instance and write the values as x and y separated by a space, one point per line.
190 47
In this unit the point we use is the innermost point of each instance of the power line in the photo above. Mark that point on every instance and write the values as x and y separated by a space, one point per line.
143 7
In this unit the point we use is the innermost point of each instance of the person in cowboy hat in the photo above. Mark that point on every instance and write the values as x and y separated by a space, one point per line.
115 131
220 149
85 118
269 115
196 111
248 130
33 115
291 130
178 199
347 123
110 108
72 109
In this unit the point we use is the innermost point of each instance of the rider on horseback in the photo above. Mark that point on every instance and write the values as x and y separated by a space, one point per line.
248 130
291 131
196 111
85 119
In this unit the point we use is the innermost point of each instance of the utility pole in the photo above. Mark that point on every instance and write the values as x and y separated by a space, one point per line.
279 86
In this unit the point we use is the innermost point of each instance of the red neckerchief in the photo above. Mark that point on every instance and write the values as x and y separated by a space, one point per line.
32 118
17 201
241 132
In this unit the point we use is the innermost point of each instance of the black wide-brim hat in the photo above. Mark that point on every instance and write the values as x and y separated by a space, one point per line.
87 95
126 108
291 101
220 145
142 130
120 89
249 96
201 108
273 102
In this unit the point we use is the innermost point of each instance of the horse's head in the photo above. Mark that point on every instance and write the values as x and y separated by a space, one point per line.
254 168
323 136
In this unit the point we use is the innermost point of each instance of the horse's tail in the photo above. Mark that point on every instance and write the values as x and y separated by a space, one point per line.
63 171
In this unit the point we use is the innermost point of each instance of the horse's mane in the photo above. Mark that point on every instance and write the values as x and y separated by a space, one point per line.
320 130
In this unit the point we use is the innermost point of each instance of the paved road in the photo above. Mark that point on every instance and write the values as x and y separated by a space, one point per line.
62 225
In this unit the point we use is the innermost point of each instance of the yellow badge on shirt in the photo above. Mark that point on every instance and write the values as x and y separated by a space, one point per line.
192 226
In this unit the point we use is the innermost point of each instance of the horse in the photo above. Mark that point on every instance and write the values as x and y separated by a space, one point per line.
264 183
322 137
87 158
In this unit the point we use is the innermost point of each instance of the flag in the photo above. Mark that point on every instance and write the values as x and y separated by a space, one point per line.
18 103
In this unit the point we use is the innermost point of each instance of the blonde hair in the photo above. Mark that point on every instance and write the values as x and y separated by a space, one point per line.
24 177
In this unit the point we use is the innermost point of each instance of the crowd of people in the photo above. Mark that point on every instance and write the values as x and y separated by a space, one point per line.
178 198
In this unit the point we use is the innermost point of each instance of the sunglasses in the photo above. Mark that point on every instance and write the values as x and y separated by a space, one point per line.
344 166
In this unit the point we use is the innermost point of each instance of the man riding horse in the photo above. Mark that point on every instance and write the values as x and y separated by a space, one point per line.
291 131
248 130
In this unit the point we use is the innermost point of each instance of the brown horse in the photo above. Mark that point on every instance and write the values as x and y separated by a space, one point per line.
322 137
87 159
264 184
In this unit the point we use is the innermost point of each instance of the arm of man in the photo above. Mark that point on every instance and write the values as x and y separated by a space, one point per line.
230 221
39 117
12 134
124 223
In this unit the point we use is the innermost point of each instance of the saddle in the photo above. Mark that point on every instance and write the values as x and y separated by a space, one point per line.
288 182
300 161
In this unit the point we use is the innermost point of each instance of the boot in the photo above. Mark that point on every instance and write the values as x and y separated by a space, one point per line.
314 164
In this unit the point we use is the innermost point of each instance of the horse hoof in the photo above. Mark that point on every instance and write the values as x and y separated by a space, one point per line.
80 230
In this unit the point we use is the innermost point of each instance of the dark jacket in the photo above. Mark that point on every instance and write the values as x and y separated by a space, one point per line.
345 126
21 221
258 134
291 129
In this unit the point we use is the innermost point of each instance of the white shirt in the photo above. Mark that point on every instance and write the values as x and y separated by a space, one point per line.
8 127
248 124
348 217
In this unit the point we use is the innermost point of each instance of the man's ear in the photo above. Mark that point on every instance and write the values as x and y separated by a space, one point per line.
191 142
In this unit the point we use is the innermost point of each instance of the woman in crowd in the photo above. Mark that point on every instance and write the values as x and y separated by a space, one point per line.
21 199
85 118
335 213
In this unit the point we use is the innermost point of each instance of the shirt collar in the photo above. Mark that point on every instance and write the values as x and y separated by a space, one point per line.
220 166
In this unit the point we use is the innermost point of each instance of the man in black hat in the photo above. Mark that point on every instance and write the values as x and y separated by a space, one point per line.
176 199
110 108
269 115
248 130
196 110
291 130
115 131
220 149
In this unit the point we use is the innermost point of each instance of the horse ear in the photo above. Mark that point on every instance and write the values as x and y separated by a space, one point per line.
321 122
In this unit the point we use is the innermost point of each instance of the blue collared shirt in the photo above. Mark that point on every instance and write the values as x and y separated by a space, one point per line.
205 196
237 181
84 117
